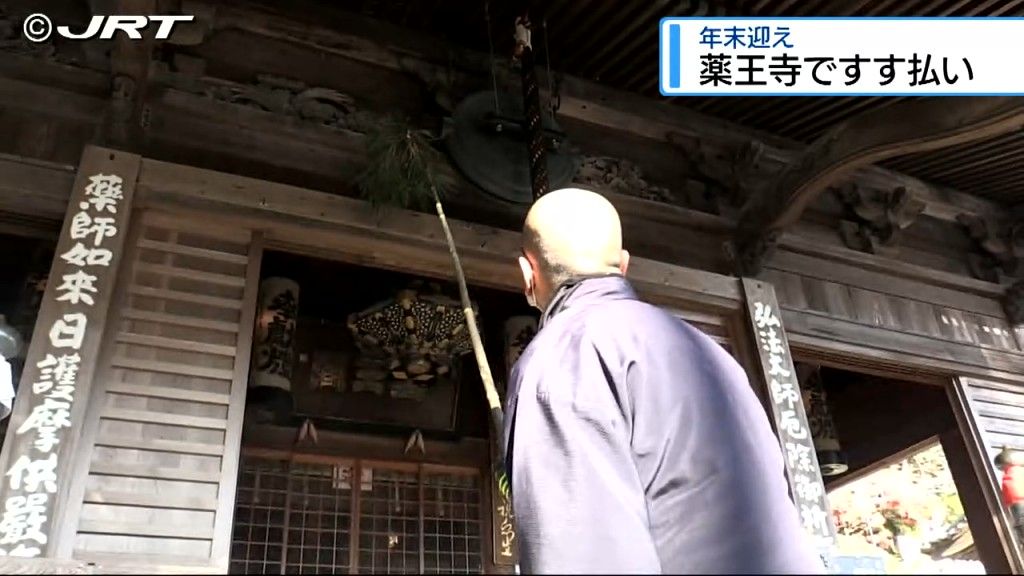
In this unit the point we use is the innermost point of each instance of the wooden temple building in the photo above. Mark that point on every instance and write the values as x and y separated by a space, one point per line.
212 377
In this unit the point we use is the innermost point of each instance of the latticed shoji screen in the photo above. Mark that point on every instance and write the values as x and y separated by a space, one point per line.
293 518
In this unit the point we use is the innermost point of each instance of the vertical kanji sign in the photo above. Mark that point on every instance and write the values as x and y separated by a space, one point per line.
503 528
57 377
788 414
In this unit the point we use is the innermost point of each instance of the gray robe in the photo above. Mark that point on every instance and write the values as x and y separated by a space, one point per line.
636 445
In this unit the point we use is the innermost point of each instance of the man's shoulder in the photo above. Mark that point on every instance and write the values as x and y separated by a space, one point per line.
639 321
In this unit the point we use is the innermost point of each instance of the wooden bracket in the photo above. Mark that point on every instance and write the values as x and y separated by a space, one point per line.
876 218
748 253
999 248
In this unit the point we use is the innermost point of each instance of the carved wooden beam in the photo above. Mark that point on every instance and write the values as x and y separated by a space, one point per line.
129 70
737 157
905 128
448 72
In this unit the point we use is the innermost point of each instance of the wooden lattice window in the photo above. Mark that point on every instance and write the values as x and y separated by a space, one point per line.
297 518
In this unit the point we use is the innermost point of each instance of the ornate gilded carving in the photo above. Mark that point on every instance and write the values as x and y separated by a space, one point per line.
876 218
999 248
621 176
407 342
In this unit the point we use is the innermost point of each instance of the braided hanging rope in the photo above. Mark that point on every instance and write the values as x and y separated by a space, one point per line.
532 109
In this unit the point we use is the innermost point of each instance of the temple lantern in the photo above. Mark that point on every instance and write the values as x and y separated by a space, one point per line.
273 358
831 458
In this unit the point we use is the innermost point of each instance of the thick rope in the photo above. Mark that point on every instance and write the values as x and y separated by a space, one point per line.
531 106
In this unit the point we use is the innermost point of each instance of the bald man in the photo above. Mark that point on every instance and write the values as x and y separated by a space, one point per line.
635 443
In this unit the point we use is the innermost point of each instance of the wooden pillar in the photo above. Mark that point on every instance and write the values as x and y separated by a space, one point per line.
807 487
980 438
48 410
980 520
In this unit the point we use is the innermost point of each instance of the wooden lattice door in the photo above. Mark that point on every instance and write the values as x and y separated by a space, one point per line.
306 518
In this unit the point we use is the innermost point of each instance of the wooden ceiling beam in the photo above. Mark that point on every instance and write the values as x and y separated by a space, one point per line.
376 45
905 128
392 48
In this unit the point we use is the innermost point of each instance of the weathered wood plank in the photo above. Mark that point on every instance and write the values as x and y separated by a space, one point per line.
998 440
181 272
150 417
998 411
184 394
171 368
171 501
192 251
159 445
179 320
235 239
1005 426
69 77
46 100
34 188
894 313
175 344
886 281
190 532
154 472
1004 397
180 296
908 353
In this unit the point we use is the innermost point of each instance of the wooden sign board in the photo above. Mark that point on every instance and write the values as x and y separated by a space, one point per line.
518 332
61 361
787 411
503 528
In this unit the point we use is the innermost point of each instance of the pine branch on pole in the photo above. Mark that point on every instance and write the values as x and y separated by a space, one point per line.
401 173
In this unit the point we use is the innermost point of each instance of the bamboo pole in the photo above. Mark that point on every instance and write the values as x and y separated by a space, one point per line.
486 378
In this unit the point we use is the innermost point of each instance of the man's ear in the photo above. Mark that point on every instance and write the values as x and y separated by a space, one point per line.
527 269
624 262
